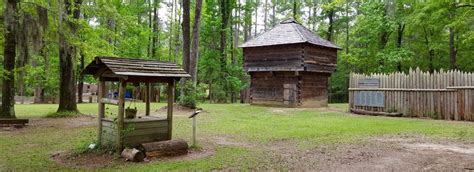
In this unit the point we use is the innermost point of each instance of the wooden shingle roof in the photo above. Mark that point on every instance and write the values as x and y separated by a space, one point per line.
288 32
134 67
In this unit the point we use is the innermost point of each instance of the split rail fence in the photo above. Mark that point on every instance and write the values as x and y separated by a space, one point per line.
445 95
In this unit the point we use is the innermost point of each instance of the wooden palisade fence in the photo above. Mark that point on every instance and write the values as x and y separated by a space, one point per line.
445 95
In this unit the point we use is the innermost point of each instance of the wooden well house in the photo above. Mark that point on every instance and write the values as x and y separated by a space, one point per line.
119 131
289 66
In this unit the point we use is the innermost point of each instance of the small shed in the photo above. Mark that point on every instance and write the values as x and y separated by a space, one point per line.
120 132
289 66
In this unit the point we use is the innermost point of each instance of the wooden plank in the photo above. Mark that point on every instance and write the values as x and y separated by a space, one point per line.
120 115
145 125
147 99
146 131
101 113
171 87
13 121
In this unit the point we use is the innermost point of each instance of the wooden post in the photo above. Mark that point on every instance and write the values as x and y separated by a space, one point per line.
194 131
121 110
100 95
170 107
147 98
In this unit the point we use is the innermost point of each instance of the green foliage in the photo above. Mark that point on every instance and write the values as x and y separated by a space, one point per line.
189 95
366 31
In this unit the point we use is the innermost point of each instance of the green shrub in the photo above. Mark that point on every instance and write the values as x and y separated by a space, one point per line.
188 96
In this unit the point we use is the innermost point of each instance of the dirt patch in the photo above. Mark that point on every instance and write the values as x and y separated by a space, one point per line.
379 154
192 154
89 160
437 147
96 160
228 141
70 122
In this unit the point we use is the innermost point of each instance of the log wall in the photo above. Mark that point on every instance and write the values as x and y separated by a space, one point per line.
290 89
445 95
267 87
319 59
314 89
274 58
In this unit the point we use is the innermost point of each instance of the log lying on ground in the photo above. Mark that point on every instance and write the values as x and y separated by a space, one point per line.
364 112
134 155
165 148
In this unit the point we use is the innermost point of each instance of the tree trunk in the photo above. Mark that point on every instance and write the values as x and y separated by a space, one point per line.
347 27
67 86
265 10
224 8
256 18
195 42
171 32
452 49
80 86
331 23
430 51
23 39
9 53
186 35
247 20
295 9
150 26
177 42
233 97
274 22
401 28
156 33
313 20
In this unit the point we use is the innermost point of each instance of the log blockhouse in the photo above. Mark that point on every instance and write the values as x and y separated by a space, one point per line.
289 66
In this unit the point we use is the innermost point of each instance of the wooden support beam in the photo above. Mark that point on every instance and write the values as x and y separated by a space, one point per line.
121 111
171 85
147 98
101 113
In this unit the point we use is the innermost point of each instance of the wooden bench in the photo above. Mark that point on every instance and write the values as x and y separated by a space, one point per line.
5 122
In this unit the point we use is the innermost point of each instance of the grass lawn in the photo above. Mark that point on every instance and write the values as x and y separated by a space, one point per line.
32 147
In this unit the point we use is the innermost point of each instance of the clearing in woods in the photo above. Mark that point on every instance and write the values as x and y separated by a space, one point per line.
239 136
